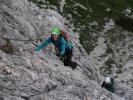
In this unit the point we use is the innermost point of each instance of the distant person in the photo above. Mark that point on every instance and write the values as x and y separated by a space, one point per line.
108 84
64 48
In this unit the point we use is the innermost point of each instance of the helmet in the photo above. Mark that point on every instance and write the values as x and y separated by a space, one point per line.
56 31
108 80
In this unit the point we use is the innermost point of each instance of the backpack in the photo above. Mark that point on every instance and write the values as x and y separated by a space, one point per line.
65 35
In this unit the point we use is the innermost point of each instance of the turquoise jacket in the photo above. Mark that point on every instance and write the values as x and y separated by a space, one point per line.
61 44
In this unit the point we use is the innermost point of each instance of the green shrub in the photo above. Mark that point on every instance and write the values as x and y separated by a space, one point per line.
126 23
7 48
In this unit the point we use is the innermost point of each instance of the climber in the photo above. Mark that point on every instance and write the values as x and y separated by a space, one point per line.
63 47
108 84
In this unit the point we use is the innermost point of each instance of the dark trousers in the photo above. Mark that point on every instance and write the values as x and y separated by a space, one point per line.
109 87
67 57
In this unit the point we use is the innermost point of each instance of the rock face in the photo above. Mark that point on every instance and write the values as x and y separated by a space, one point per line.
26 75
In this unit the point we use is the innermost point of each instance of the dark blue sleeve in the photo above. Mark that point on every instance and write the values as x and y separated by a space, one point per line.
43 44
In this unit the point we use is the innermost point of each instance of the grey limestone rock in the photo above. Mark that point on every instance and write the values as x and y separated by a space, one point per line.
26 75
